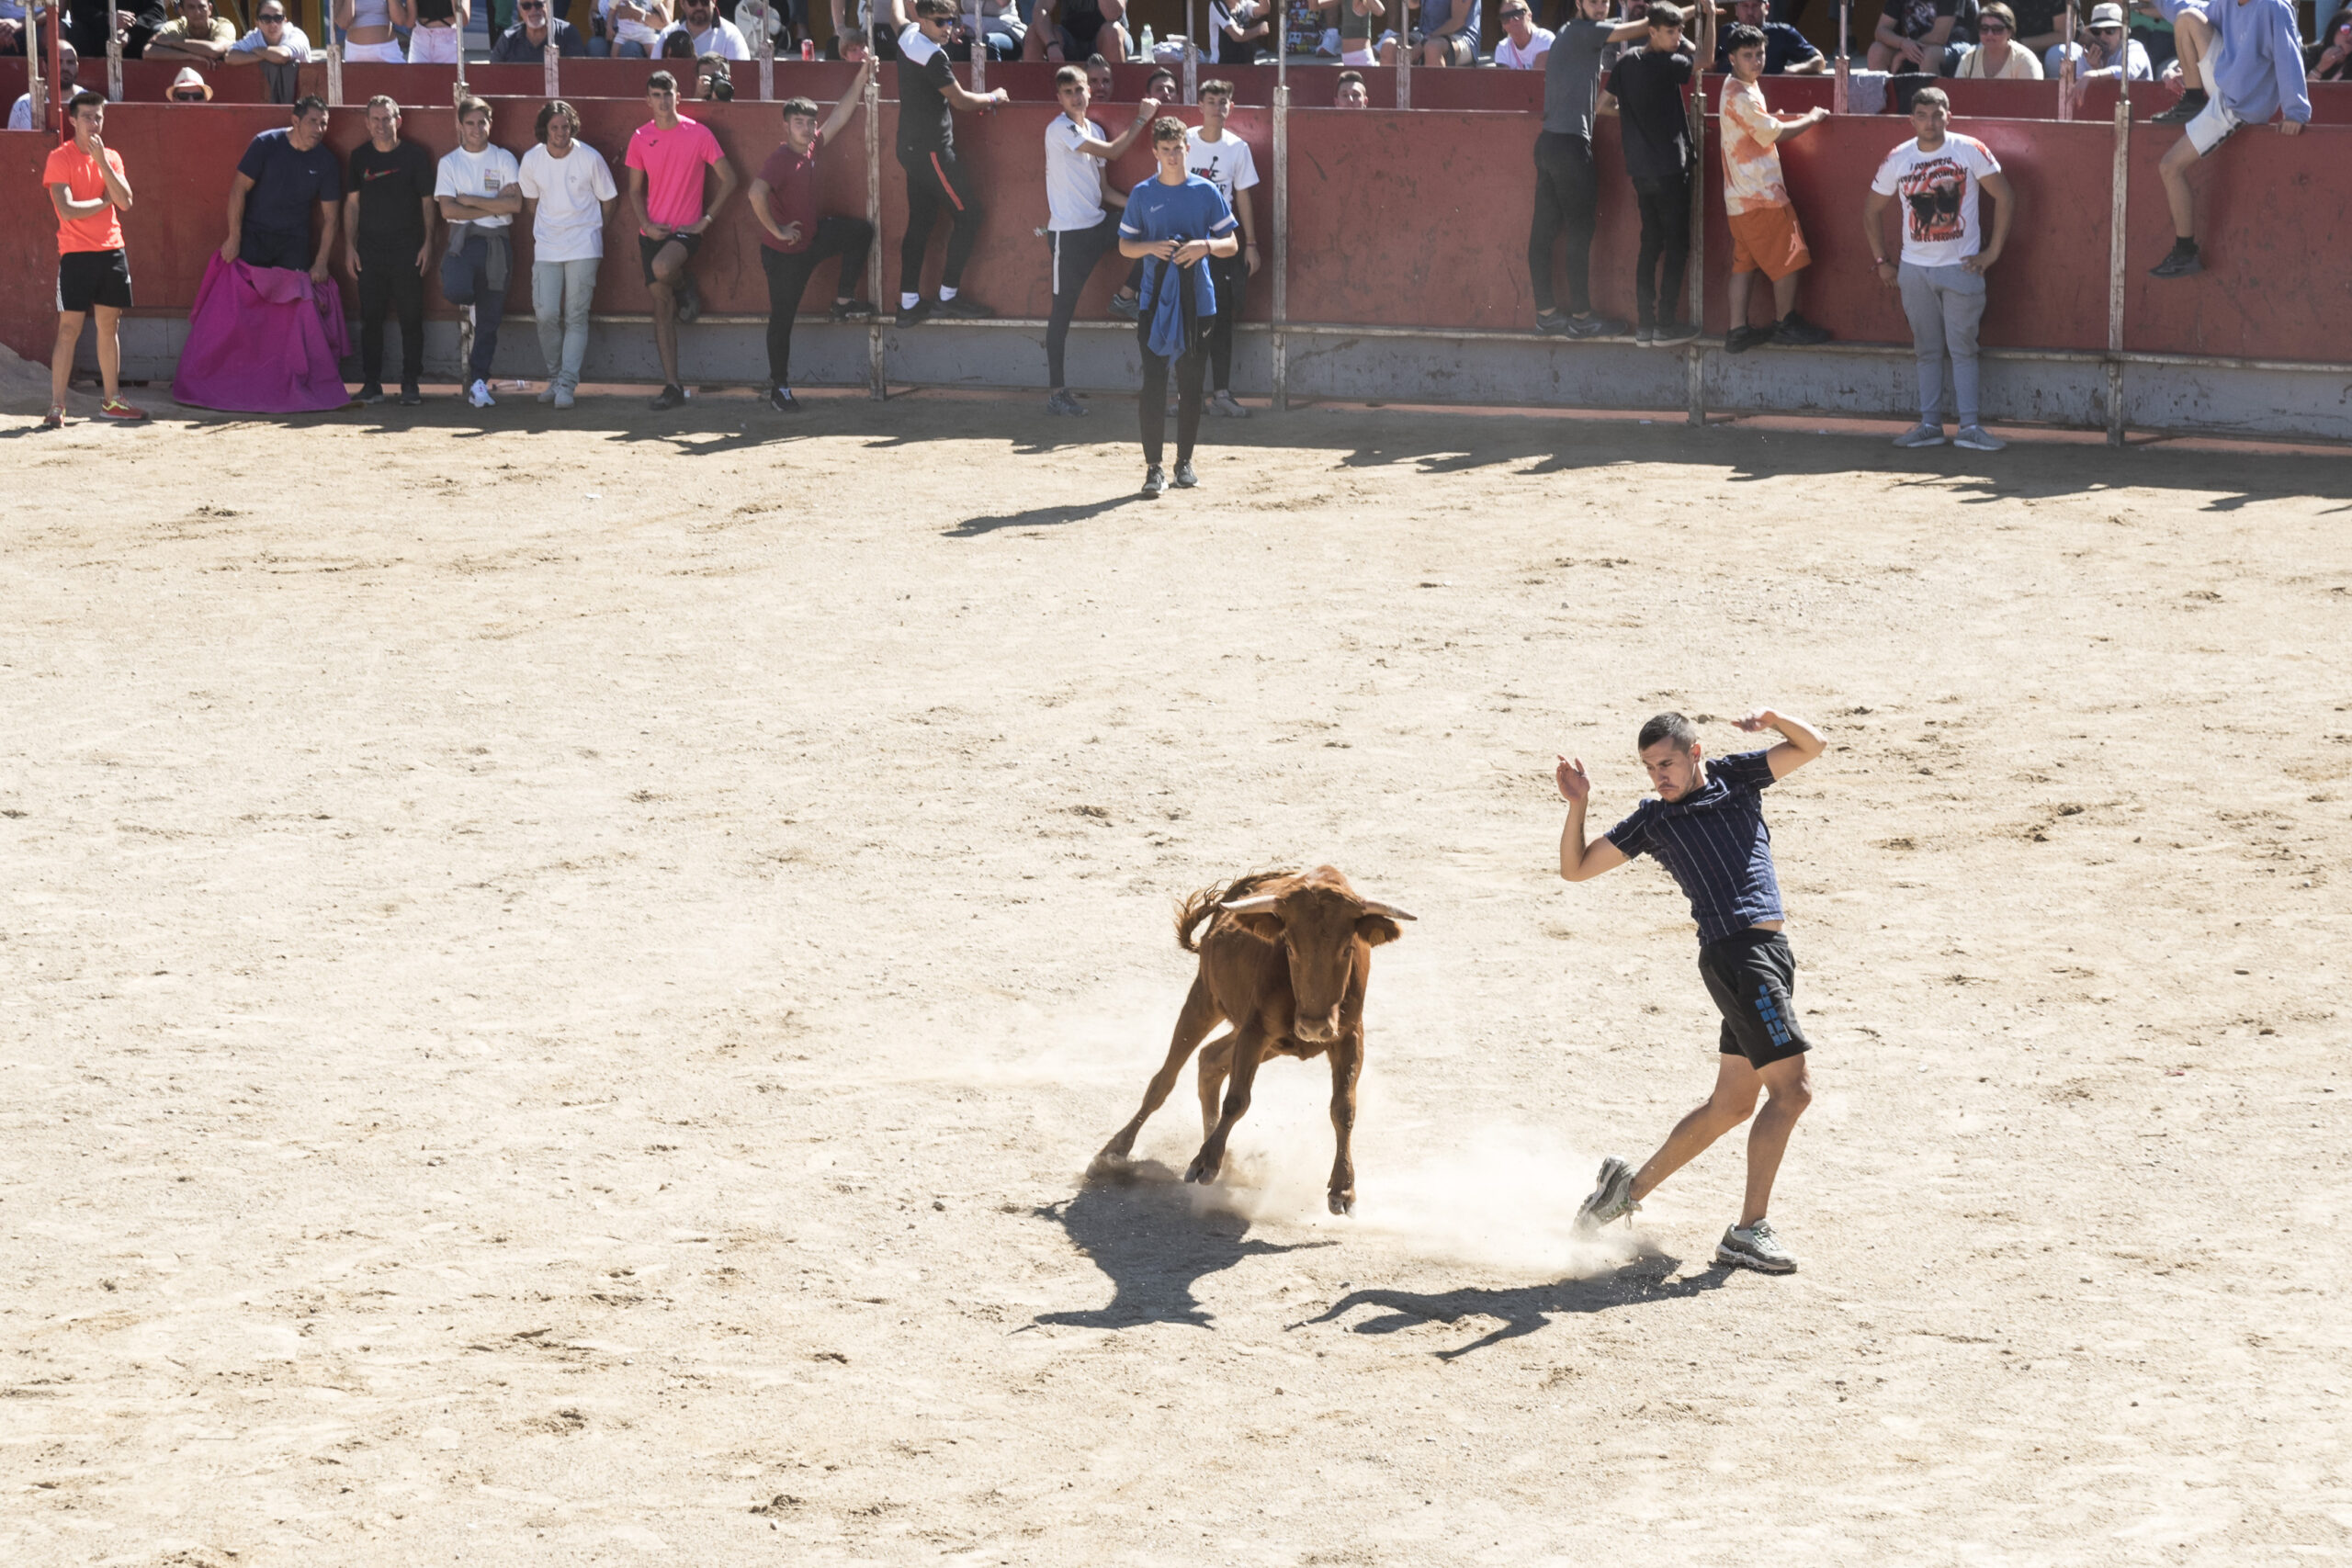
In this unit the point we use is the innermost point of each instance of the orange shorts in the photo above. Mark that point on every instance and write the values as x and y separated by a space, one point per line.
1768 240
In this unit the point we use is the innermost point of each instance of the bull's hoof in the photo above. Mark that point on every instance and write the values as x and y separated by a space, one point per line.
1107 1164
1343 1203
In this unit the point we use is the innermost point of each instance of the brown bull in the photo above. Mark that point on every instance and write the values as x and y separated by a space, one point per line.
1285 961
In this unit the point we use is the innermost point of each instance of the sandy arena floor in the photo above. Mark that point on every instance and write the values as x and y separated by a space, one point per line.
559 986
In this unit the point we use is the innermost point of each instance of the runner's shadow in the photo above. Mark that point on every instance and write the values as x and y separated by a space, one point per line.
1037 517
1522 1311
1144 1230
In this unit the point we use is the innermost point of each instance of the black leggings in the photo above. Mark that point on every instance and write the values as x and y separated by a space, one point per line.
936 182
1666 250
388 282
1231 275
788 273
1566 194
1073 255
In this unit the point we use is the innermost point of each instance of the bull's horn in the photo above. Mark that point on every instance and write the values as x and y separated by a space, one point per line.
1375 907
1244 906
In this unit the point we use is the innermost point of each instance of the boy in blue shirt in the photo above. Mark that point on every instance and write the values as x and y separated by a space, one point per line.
1177 220
1706 827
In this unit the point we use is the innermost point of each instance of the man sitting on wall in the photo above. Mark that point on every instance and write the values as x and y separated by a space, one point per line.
2254 71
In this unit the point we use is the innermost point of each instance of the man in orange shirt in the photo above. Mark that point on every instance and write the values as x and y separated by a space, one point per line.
1765 234
86 186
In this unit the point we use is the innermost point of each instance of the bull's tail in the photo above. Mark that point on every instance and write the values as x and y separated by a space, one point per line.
1201 907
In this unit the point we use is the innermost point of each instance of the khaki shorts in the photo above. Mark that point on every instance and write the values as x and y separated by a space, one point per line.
1768 240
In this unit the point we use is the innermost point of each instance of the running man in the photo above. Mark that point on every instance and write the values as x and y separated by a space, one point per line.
928 96
1706 827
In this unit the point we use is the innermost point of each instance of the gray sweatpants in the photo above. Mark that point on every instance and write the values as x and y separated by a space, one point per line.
1944 304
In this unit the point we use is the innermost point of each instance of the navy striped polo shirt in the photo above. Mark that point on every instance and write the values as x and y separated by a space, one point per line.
1715 843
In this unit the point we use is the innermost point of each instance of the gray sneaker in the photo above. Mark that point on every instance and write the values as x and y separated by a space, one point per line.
1613 1197
1064 403
1225 405
1921 434
1754 1248
1977 439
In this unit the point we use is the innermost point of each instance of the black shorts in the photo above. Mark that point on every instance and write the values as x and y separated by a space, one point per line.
646 249
93 277
1751 976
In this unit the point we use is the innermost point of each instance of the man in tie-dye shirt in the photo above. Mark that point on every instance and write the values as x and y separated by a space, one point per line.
1764 230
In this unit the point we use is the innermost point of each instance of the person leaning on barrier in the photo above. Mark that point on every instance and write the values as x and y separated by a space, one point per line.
568 194
1998 56
198 33
1568 187
936 181
88 188
1937 175
795 239
283 176
2105 50
388 216
1765 234
525 43
1524 44
2254 71
1912 34
1083 223
1655 132
476 185
1351 93
1070 30
273 41
667 160
1787 52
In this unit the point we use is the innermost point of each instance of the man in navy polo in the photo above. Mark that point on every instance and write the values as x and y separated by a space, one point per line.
1707 828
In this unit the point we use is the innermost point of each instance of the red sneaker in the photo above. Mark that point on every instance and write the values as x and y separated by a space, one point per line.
115 408
56 420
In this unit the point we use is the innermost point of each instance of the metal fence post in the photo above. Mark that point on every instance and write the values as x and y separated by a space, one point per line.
1404 62
1282 242
876 386
767 60
2115 242
551 68
114 67
1695 356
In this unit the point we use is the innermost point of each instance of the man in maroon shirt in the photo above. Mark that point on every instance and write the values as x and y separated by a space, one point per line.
794 240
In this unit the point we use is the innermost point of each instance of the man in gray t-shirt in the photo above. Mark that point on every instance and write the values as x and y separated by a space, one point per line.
1567 191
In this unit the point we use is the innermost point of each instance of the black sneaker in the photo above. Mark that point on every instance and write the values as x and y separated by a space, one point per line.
783 401
853 310
962 309
1064 402
1739 339
409 395
370 393
1594 326
669 398
1794 329
2179 262
689 301
2192 104
1128 308
1674 334
1552 325
1185 478
914 315
1155 481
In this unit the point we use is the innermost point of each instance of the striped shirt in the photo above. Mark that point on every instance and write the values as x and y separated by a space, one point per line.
1715 843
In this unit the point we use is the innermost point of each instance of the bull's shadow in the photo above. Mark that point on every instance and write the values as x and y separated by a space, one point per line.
1148 1232
1523 1309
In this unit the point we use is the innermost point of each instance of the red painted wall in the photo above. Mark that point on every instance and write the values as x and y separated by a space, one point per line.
1416 219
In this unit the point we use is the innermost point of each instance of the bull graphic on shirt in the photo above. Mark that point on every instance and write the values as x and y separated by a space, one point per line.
1933 194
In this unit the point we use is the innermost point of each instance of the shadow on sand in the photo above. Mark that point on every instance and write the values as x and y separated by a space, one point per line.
1522 1310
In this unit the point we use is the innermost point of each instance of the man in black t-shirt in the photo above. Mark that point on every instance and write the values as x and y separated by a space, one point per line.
928 96
387 221
1647 84
1787 52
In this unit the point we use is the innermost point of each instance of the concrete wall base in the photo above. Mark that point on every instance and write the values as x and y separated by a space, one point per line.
1870 380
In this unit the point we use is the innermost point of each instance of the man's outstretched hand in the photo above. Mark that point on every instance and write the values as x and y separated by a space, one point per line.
1762 718
1575 787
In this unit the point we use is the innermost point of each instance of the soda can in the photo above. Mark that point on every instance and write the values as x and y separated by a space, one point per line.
807 48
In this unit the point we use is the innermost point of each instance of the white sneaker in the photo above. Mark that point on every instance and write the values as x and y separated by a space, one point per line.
1756 1247
547 393
563 397
1611 1199
1921 434
1225 405
479 395
1976 438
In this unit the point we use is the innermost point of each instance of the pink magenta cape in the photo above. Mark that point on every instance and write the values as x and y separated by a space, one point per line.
263 340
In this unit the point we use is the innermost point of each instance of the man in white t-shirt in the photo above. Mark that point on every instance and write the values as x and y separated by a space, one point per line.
1081 229
477 187
1223 159
1524 44
568 191
1945 256
711 33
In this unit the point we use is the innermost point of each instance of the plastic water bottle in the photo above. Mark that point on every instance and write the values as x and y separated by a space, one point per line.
1146 43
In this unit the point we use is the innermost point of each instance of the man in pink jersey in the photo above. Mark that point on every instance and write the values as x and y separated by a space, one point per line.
667 159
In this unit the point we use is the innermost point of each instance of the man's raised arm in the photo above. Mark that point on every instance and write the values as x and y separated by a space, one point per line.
1578 860
1802 742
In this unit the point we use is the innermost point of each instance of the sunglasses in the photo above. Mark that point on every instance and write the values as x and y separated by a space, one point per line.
1992 27
266 21
188 98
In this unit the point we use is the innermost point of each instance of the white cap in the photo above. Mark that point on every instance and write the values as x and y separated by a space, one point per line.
2106 15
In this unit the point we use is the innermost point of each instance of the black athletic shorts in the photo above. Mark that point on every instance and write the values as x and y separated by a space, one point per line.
93 277
648 248
1751 976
